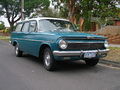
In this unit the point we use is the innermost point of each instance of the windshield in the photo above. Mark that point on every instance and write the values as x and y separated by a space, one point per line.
56 26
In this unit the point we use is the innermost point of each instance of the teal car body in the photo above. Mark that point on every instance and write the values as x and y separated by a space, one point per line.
33 41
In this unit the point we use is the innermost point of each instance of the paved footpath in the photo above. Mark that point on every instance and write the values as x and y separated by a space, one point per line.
114 45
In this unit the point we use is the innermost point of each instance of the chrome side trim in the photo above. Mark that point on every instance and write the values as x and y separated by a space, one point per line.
33 40
78 53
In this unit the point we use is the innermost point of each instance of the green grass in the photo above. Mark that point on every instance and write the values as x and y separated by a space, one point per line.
114 48
6 38
114 54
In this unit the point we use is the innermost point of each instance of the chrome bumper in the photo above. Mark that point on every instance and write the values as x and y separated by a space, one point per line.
10 41
79 53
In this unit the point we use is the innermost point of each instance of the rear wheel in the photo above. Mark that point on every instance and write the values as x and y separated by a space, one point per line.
91 62
48 59
17 51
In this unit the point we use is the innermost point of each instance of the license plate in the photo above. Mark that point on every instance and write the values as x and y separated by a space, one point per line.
89 55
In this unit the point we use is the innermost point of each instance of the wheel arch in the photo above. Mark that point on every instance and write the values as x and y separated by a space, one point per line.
14 43
41 50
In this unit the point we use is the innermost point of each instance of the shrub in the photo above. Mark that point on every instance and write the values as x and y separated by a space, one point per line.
2 26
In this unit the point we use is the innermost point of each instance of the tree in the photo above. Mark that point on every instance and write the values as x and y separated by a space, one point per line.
35 6
2 26
86 9
47 12
11 9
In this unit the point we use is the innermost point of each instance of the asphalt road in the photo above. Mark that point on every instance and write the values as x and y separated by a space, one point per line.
26 73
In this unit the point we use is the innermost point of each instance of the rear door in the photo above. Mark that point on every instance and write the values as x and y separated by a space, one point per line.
33 42
24 37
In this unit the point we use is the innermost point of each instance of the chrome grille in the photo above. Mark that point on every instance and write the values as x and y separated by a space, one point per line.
85 46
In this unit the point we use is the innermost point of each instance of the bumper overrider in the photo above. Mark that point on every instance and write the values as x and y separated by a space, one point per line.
100 53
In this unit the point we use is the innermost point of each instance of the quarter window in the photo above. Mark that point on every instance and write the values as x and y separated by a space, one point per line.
32 26
25 27
18 27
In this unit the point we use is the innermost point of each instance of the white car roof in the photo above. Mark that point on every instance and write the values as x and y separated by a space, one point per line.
41 18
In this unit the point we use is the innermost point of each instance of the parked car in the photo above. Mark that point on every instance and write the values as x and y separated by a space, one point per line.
54 39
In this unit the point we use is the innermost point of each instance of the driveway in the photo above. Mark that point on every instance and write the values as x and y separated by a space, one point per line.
26 73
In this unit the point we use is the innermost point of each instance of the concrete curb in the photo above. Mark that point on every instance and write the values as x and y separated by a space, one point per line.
111 63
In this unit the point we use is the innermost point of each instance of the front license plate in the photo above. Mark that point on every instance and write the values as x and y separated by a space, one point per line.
89 55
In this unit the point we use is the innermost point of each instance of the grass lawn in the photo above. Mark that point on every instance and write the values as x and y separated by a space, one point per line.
114 54
5 38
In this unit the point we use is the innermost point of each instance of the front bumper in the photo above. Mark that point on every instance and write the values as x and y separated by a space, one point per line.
100 53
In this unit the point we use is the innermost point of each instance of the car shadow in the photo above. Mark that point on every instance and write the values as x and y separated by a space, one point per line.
32 58
62 65
72 66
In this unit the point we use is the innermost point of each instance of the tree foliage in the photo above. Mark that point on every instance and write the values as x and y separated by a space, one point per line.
35 5
87 9
11 9
2 26
47 12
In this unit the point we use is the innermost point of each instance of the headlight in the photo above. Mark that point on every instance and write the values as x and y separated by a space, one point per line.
106 44
63 44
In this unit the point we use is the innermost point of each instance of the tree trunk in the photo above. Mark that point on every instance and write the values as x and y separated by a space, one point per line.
11 27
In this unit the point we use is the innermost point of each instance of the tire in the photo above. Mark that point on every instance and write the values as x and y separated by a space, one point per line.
18 53
48 60
92 62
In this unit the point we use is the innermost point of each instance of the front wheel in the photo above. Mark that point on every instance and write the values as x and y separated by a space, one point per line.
18 53
48 59
92 62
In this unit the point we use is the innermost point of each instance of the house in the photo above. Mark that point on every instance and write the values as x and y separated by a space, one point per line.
116 22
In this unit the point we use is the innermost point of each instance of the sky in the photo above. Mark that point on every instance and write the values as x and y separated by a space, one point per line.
2 18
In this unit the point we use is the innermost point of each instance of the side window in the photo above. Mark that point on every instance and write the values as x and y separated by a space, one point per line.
33 25
25 27
18 27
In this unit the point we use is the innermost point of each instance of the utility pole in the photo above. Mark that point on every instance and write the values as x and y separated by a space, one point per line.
22 10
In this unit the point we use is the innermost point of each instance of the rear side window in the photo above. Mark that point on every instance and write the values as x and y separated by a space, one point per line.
18 27
32 26
25 27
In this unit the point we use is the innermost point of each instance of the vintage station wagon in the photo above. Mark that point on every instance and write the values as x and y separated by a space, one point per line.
54 39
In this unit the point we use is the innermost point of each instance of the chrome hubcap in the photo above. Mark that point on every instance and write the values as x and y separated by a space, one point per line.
47 59
16 50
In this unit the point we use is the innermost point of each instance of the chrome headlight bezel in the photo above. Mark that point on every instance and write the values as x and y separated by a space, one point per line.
106 44
63 44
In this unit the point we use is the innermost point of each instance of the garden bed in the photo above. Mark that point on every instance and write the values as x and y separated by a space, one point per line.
114 54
